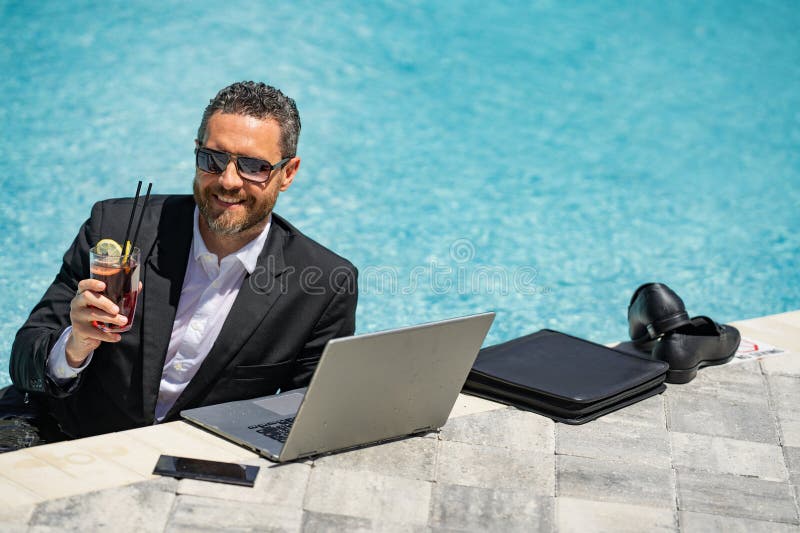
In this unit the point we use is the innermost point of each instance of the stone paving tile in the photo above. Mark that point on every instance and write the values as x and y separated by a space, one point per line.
459 463
195 513
616 440
703 523
412 458
462 508
797 497
368 495
792 456
785 394
506 428
784 365
582 516
15 495
727 400
466 404
26 470
45 529
614 481
746 418
781 330
139 507
324 522
275 485
185 440
8 527
728 456
394 527
15 518
72 458
737 496
130 453
648 412
730 382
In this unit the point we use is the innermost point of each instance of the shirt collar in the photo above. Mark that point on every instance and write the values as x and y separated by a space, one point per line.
247 254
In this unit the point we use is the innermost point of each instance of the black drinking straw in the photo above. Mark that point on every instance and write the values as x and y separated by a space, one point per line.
130 222
144 206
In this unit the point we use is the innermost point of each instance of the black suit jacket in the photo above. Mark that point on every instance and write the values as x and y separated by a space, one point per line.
300 296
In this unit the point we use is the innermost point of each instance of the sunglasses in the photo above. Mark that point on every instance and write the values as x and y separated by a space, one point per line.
249 168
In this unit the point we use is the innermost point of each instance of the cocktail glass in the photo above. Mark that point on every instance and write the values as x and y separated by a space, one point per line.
121 276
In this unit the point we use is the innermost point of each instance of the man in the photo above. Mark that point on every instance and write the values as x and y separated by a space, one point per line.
236 303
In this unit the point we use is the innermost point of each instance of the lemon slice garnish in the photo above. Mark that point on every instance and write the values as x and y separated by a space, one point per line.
111 247
108 247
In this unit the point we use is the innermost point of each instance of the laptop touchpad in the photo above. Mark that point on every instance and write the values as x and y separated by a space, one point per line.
285 405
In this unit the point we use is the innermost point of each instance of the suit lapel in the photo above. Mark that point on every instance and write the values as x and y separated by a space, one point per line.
258 293
162 284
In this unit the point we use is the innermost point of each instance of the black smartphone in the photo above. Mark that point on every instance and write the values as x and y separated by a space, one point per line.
185 467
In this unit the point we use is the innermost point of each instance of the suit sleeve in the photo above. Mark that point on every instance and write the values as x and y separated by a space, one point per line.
338 320
50 317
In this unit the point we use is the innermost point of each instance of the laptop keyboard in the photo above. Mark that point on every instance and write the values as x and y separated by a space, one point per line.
277 430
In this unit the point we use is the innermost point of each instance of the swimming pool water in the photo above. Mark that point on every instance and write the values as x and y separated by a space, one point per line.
541 159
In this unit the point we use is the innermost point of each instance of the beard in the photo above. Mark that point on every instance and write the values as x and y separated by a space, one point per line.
232 222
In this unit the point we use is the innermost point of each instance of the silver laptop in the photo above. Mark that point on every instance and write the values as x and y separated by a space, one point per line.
366 389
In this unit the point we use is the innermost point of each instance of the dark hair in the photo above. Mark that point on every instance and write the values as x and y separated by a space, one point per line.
260 101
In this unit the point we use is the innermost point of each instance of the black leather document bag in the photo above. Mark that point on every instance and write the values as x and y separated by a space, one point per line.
563 377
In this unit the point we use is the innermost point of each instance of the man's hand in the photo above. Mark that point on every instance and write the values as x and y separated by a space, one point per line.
89 305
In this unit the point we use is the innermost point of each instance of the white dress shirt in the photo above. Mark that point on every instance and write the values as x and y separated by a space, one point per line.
209 290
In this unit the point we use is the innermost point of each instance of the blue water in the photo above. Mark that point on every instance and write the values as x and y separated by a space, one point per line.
541 159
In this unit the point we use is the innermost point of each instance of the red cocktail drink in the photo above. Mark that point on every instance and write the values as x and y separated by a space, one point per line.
121 276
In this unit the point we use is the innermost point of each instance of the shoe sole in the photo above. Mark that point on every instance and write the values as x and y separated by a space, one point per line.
659 327
679 377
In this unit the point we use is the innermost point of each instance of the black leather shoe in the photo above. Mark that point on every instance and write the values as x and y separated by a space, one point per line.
654 310
700 343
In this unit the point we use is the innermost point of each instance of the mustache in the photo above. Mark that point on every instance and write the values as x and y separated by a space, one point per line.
238 195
